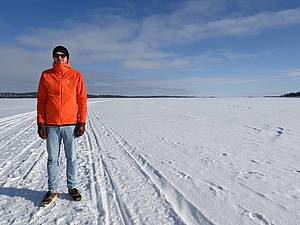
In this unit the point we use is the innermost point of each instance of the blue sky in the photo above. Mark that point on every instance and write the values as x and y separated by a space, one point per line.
213 47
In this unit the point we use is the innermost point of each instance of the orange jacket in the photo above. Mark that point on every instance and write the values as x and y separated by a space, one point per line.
61 97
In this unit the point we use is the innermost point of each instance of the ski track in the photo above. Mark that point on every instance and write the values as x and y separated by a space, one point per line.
95 179
21 169
183 207
23 140
126 179
112 207
19 137
14 122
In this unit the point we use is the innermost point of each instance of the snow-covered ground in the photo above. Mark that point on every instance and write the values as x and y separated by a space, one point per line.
160 161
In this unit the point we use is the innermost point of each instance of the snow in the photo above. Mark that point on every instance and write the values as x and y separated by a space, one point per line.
160 161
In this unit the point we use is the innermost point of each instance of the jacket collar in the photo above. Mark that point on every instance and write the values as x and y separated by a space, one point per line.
62 67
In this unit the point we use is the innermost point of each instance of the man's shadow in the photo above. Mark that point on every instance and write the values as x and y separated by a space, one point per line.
28 194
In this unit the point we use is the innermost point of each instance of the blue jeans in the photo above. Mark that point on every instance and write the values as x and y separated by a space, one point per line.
55 134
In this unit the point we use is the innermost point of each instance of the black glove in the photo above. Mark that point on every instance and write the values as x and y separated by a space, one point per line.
42 131
79 129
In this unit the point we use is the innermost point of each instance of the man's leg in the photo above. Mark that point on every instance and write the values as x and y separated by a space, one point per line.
53 149
69 140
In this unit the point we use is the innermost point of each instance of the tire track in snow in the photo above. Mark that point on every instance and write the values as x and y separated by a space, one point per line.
183 207
139 199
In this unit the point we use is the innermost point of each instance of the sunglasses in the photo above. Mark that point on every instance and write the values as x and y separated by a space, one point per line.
60 55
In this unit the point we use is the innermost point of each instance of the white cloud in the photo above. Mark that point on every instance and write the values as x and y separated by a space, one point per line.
186 85
293 74
139 44
145 44
20 61
175 31
202 81
20 68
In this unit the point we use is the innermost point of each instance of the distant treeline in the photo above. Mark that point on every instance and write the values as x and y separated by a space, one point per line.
18 95
292 94
34 95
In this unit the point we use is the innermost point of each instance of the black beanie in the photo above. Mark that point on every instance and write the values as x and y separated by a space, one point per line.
61 49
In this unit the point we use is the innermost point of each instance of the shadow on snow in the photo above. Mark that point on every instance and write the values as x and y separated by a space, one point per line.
28 194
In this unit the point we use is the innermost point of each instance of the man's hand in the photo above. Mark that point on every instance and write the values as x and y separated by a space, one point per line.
42 131
79 129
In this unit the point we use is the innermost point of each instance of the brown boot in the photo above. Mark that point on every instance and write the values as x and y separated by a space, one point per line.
75 194
49 197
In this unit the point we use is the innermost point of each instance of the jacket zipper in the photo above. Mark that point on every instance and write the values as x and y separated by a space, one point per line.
60 83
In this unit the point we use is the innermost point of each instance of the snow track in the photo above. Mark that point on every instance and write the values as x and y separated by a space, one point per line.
187 211
21 136
136 200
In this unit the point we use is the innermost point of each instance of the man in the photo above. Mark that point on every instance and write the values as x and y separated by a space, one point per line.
61 115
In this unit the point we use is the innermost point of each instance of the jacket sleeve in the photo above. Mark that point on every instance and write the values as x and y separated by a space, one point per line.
81 100
41 101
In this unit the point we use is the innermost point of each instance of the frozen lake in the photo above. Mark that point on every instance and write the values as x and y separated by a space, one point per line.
160 161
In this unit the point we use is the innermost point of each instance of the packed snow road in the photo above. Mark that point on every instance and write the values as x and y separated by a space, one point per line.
161 161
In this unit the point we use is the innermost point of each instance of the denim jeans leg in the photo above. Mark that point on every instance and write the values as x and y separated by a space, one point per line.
53 149
68 134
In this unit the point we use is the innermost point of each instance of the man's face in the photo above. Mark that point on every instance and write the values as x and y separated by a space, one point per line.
60 57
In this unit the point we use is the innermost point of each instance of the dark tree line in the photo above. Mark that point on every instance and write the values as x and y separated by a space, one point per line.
292 94
34 94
